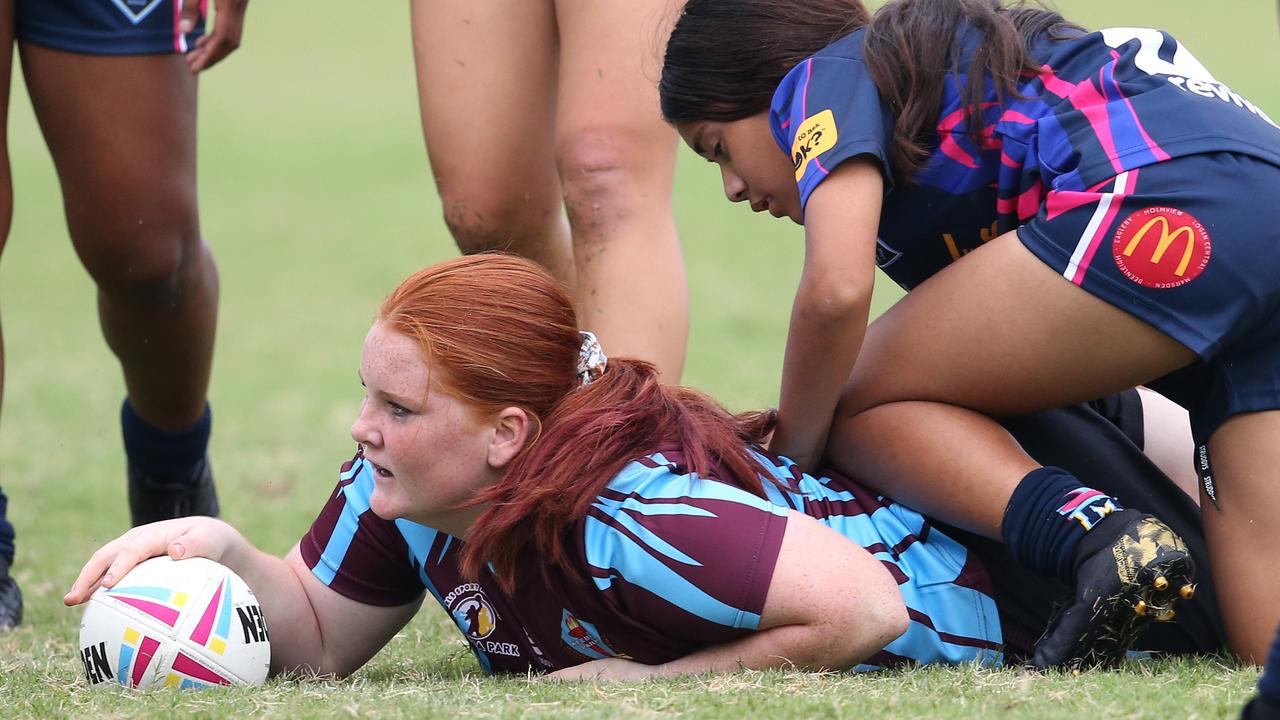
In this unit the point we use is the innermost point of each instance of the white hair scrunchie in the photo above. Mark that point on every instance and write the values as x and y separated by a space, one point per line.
591 358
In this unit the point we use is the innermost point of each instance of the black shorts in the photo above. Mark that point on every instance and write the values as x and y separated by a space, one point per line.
1100 443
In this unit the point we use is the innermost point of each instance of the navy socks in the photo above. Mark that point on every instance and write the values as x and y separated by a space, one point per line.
6 530
1269 683
1048 515
162 455
169 457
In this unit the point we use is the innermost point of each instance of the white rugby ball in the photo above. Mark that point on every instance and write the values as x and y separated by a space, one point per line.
189 623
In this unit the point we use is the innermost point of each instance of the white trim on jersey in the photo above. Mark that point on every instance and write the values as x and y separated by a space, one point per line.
1089 239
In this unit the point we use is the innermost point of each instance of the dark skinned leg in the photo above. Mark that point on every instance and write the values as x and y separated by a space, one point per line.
122 134
10 597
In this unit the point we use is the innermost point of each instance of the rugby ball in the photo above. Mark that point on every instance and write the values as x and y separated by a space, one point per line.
189 623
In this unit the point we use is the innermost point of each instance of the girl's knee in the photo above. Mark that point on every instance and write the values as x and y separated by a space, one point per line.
482 219
608 174
152 269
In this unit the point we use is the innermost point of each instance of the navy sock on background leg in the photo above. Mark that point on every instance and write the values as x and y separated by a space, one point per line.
1048 515
1269 683
6 530
163 455
10 595
1266 704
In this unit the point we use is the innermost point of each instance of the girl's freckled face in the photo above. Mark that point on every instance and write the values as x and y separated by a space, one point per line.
427 447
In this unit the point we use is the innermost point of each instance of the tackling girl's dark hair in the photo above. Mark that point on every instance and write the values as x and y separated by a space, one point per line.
725 58
497 331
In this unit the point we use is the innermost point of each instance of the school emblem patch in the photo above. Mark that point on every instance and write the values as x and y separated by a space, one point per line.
138 10
584 639
1161 247
471 611
816 135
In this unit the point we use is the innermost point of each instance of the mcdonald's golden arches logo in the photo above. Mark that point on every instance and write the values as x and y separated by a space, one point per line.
1161 247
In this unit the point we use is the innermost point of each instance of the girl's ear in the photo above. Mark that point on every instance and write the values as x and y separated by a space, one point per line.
511 430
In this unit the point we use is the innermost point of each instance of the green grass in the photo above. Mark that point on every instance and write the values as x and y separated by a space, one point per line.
317 199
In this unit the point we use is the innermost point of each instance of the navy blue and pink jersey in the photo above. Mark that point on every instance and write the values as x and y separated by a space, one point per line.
1102 104
669 563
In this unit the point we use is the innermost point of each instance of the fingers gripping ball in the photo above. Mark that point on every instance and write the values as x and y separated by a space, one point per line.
189 623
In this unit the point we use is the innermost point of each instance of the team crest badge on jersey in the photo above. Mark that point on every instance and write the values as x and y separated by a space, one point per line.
471 611
582 637
816 135
1161 247
137 10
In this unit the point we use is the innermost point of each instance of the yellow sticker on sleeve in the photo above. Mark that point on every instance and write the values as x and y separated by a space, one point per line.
816 135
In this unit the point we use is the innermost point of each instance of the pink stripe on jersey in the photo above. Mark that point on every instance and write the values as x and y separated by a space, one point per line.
1060 201
1093 105
1099 224
1017 117
1055 84
1029 201
1026 204
179 41
952 149
948 143
804 105
804 91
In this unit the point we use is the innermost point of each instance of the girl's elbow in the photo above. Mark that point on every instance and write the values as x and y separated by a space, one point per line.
837 302
883 618
895 621
890 608
875 625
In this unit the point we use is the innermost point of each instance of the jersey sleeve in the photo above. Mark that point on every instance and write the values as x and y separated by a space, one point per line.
356 553
825 111
684 557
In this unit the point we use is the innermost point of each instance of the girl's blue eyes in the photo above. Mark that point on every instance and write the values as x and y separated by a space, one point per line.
398 410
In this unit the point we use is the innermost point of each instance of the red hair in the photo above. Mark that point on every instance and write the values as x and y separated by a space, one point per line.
500 332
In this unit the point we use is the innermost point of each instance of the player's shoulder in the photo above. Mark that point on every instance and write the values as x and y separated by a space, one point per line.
656 521
662 477
840 58
848 47
1093 48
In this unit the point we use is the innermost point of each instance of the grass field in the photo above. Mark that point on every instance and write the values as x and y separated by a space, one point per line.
317 199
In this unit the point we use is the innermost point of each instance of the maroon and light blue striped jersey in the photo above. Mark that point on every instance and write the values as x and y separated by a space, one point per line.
669 563
1102 103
